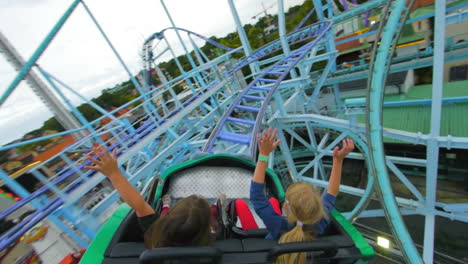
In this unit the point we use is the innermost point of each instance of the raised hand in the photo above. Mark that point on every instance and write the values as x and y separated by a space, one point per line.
266 141
348 146
107 165
106 162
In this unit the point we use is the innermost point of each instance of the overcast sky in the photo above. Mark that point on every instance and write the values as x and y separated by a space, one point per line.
79 55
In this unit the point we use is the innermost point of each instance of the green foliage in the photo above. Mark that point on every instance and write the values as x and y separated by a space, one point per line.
256 36
51 124
33 146
89 112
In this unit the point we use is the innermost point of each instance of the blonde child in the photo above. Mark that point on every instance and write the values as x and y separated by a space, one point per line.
307 212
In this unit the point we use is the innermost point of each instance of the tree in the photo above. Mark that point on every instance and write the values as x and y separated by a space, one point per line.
51 124
256 37
89 112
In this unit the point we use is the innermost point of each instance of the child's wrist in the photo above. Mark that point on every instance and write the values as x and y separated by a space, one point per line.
115 175
339 159
262 157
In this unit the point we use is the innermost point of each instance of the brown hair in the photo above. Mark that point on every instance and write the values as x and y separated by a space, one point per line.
304 204
186 224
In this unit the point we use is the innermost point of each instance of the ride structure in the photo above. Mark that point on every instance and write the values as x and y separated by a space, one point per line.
223 110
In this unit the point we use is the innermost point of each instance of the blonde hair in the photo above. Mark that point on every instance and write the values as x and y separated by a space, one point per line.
305 205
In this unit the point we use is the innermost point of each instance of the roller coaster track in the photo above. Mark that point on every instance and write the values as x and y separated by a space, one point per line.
298 36
354 4
374 133
317 30
251 99
14 233
129 140
237 132
160 35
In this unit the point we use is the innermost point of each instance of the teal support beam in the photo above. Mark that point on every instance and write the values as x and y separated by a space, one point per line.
282 33
37 54
243 37
148 106
375 133
432 145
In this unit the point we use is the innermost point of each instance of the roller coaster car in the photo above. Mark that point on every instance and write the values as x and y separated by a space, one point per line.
120 240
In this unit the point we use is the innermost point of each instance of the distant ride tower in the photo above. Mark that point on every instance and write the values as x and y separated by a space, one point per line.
41 89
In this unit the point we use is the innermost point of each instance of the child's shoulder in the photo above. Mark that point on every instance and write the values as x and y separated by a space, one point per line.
328 201
146 221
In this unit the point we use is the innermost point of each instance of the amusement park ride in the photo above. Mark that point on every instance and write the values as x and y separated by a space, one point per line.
293 85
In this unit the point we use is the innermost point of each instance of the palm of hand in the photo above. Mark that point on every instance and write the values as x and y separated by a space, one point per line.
106 163
266 142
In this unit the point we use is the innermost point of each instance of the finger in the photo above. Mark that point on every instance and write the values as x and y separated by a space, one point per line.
100 155
264 134
277 142
352 144
96 168
269 132
335 150
99 152
114 153
345 144
104 151
273 135
258 137
95 161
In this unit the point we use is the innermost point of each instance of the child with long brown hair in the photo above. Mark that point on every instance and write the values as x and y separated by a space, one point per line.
307 212
185 224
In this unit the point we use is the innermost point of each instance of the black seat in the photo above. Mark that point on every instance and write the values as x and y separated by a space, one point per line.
179 255
329 247
258 244
229 245
134 249
127 249
245 258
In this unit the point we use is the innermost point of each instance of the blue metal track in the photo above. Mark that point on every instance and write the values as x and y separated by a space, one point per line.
167 135
253 99
128 141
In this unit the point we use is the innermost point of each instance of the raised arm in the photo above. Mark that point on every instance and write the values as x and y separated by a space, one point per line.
338 157
266 144
274 222
107 165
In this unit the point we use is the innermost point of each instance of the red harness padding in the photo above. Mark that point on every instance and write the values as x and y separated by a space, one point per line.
245 214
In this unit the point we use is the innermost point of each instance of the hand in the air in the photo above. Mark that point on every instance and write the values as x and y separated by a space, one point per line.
348 146
266 141
106 162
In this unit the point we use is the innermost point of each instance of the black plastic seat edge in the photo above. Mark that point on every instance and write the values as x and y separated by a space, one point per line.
155 254
250 233
329 247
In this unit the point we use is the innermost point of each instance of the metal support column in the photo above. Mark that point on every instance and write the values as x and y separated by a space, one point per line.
432 145
282 33
243 37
